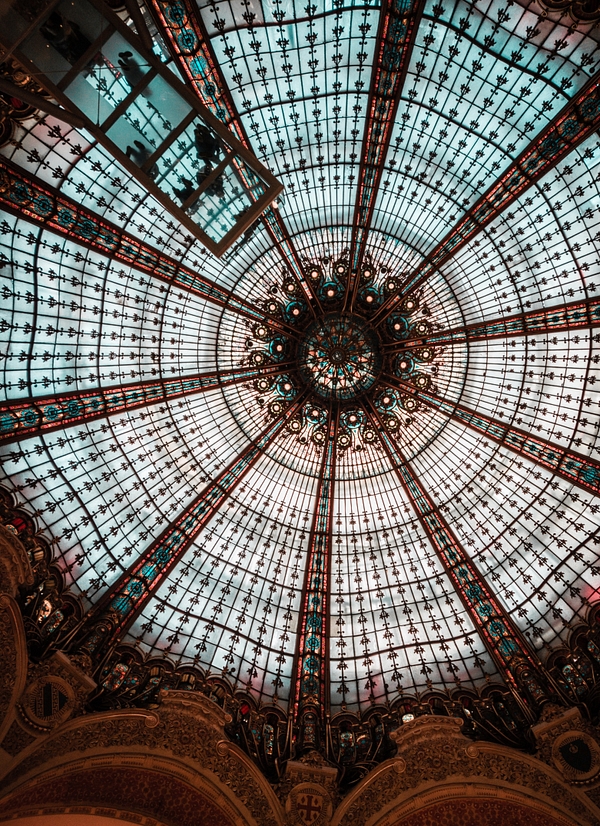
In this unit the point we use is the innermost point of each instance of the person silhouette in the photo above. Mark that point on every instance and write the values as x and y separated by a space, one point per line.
139 154
186 190
215 187
133 72
207 144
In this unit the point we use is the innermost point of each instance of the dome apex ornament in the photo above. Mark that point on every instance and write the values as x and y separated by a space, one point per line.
340 358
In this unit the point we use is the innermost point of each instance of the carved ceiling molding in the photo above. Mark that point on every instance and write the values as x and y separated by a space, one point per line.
13 656
462 809
74 816
568 742
129 788
463 803
109 780
435 759
179 735
182 746
196 704
15 568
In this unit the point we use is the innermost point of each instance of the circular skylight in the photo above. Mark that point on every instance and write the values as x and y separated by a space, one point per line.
407 433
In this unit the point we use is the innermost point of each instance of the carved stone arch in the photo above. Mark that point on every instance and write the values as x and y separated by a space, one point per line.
470 804
13 656
436 764
100 817
131 786
469 801
182 741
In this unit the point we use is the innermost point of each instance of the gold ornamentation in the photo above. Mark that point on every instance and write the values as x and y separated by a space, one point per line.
15 568
179 729
151 720
313 758
576 755
198 705
438 751
47 702
13 657
223 748
57 689
16 739
309 804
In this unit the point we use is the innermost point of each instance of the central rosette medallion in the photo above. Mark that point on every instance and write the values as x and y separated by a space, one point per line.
339 357
363 368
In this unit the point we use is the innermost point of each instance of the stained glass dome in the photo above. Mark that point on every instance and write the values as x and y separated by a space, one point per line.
355 458
339 357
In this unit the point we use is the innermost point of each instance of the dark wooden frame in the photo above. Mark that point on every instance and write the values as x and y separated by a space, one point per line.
237 150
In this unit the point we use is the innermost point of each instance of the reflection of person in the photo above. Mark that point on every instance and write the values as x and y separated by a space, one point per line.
207 144
187 189
66 37
216 186
208 147
251 229
132 71
139 154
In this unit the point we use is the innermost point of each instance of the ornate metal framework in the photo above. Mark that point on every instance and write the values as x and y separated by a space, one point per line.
348 474
395 40
143 114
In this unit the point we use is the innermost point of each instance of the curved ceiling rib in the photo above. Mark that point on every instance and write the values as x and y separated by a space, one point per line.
557 319
576 468
47 414
503 641
126 598
398 25
24 194
577 121
312 654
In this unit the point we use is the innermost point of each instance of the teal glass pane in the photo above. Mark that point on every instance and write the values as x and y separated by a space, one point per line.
186 162
226 198
152 115
480 87
108 79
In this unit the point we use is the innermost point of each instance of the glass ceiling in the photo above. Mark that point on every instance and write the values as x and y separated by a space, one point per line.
484 80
